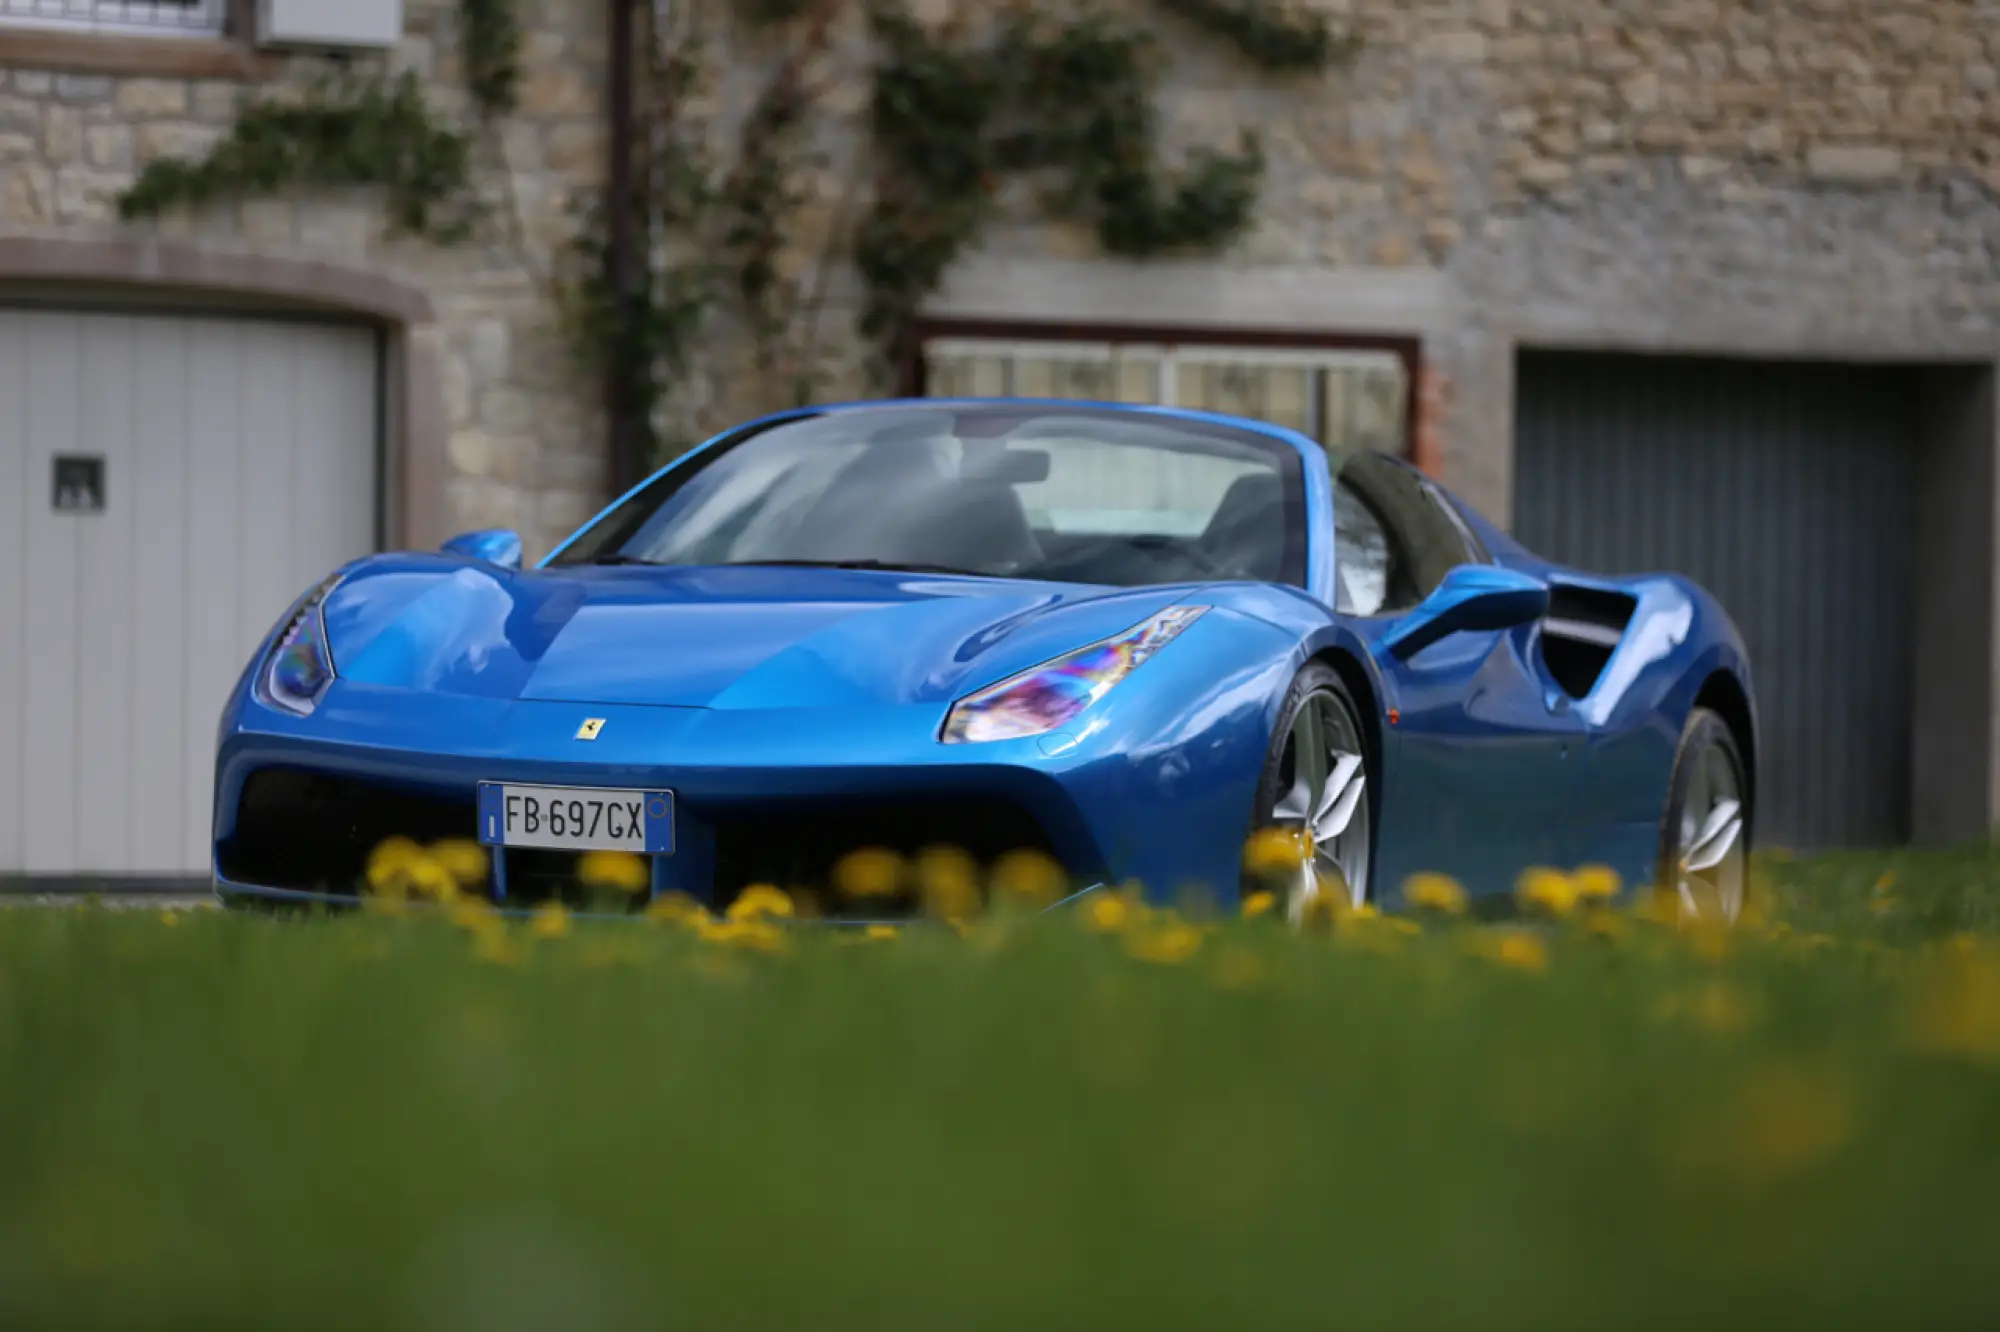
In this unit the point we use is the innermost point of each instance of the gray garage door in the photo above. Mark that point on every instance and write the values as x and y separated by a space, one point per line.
167 486
1789 491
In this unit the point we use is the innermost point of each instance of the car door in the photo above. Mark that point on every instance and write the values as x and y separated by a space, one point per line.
1481 752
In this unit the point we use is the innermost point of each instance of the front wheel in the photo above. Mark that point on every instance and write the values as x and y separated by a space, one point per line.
1315 785
1704 833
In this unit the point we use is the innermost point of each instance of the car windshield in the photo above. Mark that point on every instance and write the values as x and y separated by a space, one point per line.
1053 492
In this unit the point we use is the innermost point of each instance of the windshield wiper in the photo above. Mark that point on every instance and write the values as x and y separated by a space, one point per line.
616 557
889 566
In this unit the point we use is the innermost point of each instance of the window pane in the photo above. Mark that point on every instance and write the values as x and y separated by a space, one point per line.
1280 394
1365 406
1138 379
966 375
1065 377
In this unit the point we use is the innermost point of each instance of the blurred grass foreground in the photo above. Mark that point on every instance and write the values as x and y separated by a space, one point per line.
1102 1118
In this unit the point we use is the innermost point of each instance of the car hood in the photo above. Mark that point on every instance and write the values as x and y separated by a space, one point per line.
743 637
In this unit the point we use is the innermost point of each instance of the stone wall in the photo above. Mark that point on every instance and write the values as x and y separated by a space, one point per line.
1716 174
524 447
1710 174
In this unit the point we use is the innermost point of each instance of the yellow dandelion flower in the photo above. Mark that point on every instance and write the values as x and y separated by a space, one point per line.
1402 925
1520 949
1028 877
756 932
758 901
871 872
170 919
882 933
1258 904
389 864
1547 891
1107 911
431 881
1274 851
1955 1006
549 922
948 880
620 871
1168 942
1596 884
673 908
1435 892
465 860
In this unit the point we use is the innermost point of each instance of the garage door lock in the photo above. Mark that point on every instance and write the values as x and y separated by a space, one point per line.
79 484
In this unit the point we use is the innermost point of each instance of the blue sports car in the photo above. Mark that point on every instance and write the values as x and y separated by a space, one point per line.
1127 637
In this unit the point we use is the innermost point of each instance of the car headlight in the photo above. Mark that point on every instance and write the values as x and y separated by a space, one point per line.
300 667
1043 697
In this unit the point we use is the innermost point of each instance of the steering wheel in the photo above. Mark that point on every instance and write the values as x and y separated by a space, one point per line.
1174 549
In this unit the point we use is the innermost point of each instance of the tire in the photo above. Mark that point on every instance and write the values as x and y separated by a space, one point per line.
1344 803
1705 847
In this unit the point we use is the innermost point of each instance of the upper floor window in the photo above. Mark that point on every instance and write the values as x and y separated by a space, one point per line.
166 18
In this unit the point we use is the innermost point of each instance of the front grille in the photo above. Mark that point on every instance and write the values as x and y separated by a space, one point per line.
313 832
796 845
536 876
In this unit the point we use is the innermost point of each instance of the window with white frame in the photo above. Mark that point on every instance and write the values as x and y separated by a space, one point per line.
167 18
1350 399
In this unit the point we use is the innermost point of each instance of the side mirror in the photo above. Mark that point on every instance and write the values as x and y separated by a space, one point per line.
495 545
1472 597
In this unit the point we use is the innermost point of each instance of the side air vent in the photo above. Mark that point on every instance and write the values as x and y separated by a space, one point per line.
1580 632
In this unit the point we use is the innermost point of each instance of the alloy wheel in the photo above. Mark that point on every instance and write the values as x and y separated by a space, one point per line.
1326 803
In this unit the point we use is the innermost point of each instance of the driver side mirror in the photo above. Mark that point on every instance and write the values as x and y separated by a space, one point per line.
1472 597
495 545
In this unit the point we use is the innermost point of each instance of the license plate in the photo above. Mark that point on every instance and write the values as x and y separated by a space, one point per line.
576 818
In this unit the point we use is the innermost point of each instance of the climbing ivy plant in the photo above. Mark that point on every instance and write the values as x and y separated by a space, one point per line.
490 45
371 132
1274 36
1062 97
348 130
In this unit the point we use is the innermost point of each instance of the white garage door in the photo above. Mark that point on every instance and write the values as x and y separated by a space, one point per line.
167 485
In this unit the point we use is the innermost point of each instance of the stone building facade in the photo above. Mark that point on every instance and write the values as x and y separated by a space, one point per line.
493 428
1486 182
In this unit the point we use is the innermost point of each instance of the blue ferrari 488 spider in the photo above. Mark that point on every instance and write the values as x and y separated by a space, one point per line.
1127 637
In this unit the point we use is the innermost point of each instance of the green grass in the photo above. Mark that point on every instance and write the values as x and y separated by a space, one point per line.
235 1122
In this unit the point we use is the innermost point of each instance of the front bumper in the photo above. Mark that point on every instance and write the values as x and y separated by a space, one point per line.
761 796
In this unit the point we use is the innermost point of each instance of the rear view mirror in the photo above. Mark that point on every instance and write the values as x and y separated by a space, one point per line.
1016 467
1472 598
495 545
